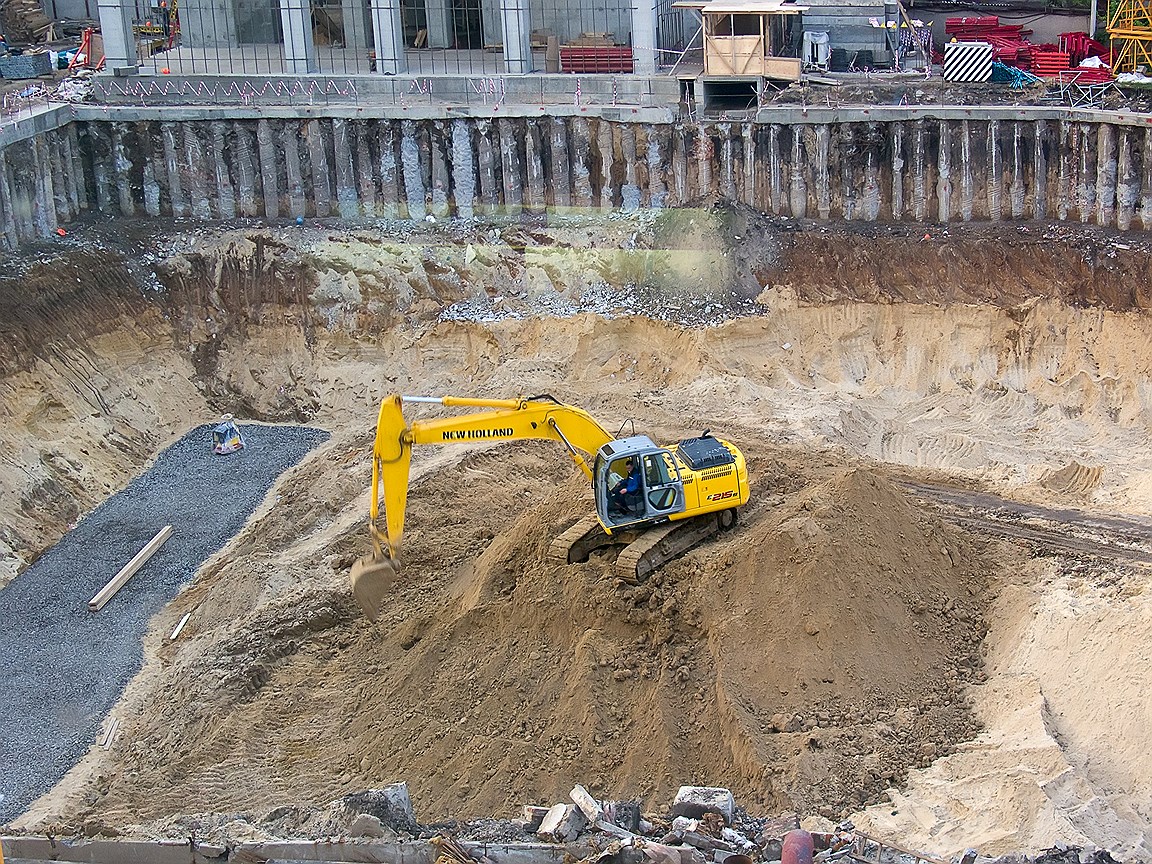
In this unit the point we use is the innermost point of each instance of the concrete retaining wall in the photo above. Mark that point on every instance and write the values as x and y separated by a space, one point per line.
33 850
956 164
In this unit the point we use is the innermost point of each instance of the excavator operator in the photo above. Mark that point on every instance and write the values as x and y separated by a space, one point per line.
623 495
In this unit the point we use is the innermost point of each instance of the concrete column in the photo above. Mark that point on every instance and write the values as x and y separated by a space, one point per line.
266 149
225 195
388 37
644 37
122 165
247 175
355 30
439 16
299 49
516 22
116 28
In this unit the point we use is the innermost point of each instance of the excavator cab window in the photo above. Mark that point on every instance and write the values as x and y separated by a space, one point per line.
625 488
662 491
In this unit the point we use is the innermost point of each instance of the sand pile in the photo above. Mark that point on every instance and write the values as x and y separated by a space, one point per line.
1066 750
807 660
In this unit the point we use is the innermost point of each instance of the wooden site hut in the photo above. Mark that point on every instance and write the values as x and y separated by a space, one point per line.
750 39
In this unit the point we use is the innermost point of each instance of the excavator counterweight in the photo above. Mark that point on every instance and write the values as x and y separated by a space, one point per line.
656 502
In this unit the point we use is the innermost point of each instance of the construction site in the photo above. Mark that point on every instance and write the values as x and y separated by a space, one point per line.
524 467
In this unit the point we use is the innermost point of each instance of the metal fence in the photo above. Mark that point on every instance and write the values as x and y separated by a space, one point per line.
455 37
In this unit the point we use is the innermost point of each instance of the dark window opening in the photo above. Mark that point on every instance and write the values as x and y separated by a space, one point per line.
736 25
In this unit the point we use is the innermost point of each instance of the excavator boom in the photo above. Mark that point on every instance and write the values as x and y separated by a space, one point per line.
656 501
541 417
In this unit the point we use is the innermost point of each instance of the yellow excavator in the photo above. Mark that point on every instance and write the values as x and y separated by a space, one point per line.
656 502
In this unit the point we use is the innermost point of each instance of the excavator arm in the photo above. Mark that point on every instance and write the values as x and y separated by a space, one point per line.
540 417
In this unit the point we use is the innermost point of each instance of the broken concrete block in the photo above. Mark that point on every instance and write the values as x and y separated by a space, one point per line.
562 823
391 805
695 801
705 843
659 853
588 805
776 827
532 817
738 840
611 828
626 814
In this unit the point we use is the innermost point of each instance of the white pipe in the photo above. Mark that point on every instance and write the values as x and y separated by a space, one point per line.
179 627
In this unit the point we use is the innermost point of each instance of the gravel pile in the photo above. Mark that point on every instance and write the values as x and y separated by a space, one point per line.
608 302
64 667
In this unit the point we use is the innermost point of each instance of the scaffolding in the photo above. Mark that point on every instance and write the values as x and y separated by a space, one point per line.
1130 29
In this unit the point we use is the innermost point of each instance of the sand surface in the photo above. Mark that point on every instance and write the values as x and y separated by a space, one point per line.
845 652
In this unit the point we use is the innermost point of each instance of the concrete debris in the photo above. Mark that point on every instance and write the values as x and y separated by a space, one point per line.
776 827
695 801
737 840
77 88
660 853
610 828
533 816
562 824
589 806
626 814
391 806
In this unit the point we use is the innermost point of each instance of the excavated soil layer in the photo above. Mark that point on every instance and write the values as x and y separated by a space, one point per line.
835 645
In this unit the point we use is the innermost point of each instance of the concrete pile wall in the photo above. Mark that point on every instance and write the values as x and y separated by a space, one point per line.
862 167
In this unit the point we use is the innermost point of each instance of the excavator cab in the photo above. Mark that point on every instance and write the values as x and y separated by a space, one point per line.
636 482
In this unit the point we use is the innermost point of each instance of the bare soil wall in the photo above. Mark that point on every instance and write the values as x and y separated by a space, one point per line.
818 655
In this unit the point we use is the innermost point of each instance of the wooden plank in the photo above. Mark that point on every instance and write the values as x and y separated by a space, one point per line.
175 633
129 570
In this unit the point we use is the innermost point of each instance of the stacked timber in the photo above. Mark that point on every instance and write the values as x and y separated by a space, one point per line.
24 22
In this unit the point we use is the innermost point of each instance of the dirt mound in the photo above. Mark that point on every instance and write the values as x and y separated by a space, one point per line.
806 660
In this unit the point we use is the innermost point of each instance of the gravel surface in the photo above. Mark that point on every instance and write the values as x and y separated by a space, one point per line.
63 667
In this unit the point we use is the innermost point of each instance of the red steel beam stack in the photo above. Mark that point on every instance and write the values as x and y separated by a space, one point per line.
1080 46
1009 43
1047 62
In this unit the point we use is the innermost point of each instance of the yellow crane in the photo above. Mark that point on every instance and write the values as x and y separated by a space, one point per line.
656 502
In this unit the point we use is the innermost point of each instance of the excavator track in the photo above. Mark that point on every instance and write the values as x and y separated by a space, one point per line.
575 544
657 546
645 550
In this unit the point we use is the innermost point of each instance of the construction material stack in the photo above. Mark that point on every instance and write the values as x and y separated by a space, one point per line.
24 22
1010 46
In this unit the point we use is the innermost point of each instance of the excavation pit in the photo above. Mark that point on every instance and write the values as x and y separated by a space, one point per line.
859 631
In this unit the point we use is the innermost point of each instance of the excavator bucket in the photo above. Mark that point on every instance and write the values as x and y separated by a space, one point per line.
372 578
